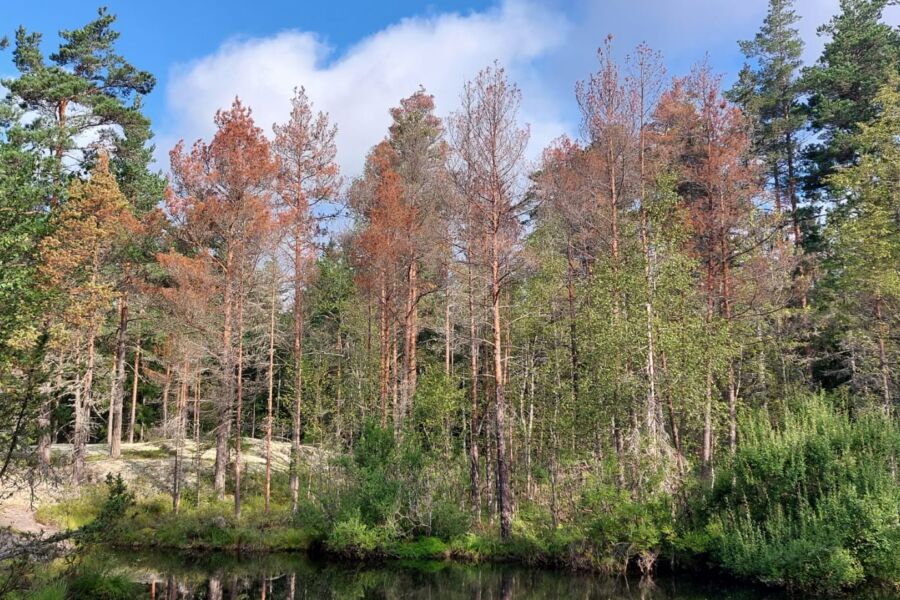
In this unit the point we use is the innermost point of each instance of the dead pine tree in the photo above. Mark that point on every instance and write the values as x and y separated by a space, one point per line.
488 147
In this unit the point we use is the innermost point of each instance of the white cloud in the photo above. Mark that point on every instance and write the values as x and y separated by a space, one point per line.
358 87
547 45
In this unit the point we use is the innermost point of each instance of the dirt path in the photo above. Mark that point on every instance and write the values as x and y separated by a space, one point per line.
21 520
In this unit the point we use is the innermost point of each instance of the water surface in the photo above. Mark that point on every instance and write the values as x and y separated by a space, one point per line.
173 576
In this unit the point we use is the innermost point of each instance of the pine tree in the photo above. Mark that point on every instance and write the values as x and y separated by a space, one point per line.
842 85
865 251
85 87
489 147
769 93
308 174
221 200
74 264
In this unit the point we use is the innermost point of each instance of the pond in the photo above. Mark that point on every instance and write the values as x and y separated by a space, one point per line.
171 576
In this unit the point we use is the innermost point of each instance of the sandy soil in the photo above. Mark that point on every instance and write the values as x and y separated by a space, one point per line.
146 467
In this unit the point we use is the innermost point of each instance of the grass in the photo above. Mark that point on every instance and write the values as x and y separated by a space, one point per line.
147 453
74 512
213 526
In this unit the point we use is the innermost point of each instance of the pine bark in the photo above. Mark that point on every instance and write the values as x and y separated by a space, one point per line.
118 391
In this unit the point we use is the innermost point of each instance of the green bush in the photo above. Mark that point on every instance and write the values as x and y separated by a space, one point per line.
374 471
420 549
623 530
448 520
353 538
813 504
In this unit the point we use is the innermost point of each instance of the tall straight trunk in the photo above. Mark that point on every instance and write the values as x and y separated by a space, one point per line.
180 404
384 352
226 403
883 365
410 336
338 396
45 425
673 422
298 371
795 214
197 449
614 202
777 189
60 149
165 397
573 323
447 332
474 426
653 414
617 305
503 494
529 429
395 379
83 397
253 420
706 449
731 392
118 391
239 405
134 385
44 437
652 410
270 385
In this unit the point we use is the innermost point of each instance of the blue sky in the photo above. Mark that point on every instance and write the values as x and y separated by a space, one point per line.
358 58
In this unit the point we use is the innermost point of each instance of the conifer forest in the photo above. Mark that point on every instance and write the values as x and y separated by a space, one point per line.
666 344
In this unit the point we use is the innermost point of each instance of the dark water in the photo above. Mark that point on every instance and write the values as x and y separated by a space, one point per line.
171 576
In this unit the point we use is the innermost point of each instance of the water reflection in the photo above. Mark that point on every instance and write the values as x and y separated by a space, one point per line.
218 577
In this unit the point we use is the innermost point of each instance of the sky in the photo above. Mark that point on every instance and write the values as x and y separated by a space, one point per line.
357 58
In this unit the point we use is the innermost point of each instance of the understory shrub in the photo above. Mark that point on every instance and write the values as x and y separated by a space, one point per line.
814 504
624 530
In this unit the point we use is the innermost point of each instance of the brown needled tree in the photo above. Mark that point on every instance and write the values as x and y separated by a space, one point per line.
489 146
308 174
220 197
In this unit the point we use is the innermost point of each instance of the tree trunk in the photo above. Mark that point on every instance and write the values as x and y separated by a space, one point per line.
44 437
447 332
118 391
298 373
673 422
134 386
503 494
395 379
338 395
573 324
165 399
226 403
706 451
239 405
181 404
474 426
731 392
795 216
883 365
410 337
83 400
270 383
197 449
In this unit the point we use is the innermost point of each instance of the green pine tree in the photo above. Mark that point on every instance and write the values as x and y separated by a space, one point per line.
865 251
842 85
